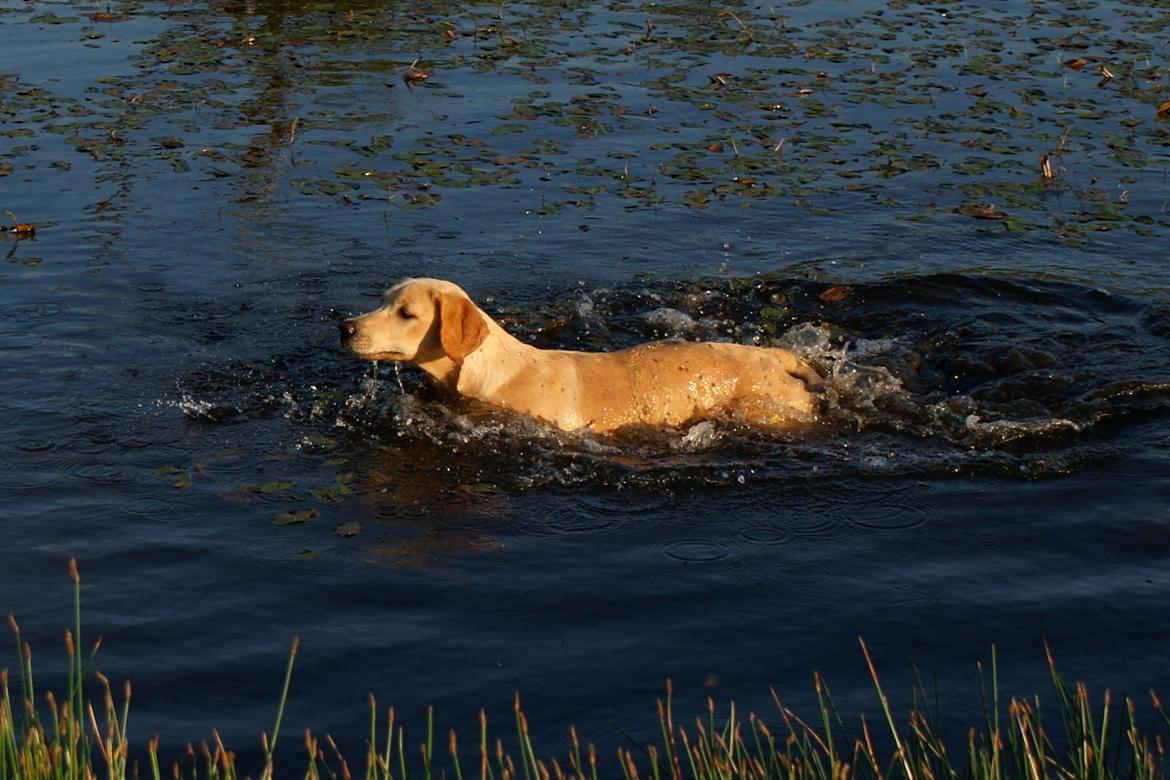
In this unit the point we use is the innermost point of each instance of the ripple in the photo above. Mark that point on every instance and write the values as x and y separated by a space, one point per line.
595 514
697 551
22 339
91 444
578 519
32 310
299 552
34 444
484 542
765 534
891 509
886 415
106 474
905 596
156 510
357 253
24 483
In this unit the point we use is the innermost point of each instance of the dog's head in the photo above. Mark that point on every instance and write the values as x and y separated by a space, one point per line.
419 321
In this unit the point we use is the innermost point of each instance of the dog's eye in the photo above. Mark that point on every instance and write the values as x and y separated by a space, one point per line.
406 314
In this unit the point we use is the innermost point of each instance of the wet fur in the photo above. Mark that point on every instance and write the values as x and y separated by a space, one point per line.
435 326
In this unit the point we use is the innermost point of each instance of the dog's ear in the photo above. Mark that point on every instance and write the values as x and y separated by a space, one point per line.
461 327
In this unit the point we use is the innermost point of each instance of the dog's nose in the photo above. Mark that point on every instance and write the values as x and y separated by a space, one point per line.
347 328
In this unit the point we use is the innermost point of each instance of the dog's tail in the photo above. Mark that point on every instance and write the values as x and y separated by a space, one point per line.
798 368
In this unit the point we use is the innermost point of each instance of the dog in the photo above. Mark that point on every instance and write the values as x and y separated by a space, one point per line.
434 325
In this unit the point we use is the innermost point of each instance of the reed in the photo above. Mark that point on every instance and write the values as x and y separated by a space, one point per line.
72 739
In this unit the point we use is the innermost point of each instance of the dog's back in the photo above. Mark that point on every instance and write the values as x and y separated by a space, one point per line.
663 383
434 325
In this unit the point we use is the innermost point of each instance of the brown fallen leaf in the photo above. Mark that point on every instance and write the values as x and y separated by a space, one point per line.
415 75
17 227
1164 110
1075 64
836 293
715 148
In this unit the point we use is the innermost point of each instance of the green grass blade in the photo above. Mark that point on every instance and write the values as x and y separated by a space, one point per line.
270 749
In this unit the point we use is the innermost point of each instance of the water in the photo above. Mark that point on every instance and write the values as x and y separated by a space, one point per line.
214 188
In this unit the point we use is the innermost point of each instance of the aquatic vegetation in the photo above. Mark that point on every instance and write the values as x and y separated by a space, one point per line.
1054 120
71 739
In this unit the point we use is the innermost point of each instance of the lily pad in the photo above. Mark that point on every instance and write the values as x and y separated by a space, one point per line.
329 492
293 518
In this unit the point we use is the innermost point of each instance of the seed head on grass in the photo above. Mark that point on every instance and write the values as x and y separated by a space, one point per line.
715 747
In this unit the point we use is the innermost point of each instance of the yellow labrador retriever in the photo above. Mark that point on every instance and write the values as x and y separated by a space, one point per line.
434 325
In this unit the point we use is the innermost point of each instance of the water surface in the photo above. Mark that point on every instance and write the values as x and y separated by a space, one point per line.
214 186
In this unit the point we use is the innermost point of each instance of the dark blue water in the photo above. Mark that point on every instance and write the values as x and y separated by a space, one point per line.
214 187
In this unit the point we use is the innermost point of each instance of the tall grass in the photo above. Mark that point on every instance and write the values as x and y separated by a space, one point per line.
70 739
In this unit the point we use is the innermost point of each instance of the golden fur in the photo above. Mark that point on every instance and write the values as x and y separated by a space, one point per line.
434 325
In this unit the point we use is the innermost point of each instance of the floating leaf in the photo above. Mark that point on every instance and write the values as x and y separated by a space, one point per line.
306 555
275 487
352 528
982 212
508 129
837 293
1013 225
179 478
291 518
330 492
974 166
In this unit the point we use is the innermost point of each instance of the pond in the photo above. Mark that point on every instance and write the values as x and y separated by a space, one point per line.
956 212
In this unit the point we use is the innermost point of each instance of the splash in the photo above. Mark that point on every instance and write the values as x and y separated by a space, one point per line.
932 374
